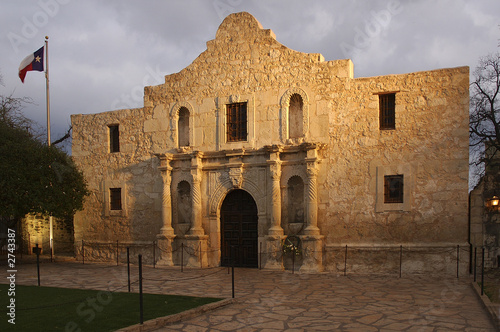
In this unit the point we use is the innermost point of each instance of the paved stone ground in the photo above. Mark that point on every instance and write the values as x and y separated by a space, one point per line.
281 301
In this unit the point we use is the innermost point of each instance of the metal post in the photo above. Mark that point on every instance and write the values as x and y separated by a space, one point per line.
232 277
482 272
128 268
458 258
38 263
51 251
293 259
117 253
260 256
182 257
228 249
154 254
141 307
400 260
83 253
345 261
470 258
475 263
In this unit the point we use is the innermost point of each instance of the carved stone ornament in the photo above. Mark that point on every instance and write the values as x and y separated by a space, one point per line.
234 98
236 176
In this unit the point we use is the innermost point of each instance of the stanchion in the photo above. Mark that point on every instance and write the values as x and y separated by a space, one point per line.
83 253
228 248
345 261
400 260
475 263
293 259
128 267
482 272
51 247
141 306
38 263
182 257
458 258
260 256
232 276
154 254
470 258
117 253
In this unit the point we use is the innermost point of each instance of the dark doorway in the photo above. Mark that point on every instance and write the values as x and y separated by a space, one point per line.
239 231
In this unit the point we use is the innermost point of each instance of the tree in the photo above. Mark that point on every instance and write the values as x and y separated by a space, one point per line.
484 122
34 177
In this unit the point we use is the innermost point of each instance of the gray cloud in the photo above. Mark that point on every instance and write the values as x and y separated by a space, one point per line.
103 52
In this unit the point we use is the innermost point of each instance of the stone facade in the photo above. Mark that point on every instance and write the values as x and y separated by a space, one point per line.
311 154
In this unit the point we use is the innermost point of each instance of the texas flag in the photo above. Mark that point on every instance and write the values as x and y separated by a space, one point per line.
31 62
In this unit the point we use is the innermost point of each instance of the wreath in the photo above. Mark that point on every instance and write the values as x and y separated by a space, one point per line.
291 244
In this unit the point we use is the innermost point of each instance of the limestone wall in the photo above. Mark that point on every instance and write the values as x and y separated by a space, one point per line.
429 146
245 63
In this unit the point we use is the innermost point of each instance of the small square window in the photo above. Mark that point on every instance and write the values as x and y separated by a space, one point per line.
387 108
236 122
393 188
114 138
115 198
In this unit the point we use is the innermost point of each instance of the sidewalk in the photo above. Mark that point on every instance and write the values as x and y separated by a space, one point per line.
281 301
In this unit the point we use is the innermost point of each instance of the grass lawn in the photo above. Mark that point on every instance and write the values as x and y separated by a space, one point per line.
64 309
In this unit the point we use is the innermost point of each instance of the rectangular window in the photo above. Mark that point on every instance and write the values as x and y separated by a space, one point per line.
236 122
387 107
115 198
393 188
114 138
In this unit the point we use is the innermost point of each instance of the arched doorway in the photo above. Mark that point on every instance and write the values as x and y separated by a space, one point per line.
239 229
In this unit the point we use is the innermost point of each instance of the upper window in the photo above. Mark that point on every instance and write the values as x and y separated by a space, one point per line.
295 117
114 138
183 127
236 122
387 107
393 188
115 198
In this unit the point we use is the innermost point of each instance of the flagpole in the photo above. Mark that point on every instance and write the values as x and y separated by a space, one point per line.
47 86
51 230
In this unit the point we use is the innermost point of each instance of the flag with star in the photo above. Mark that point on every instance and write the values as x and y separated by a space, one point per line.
31 62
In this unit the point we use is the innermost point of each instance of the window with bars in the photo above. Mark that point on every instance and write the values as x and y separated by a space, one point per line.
393 188
236 122
387 107
115 198
114 138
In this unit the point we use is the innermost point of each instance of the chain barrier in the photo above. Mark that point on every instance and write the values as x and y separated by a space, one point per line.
220 269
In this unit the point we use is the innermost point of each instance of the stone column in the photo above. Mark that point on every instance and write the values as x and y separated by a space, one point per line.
196 241
312 240
312 200
275 170
196 226
273 259
196 219
166 235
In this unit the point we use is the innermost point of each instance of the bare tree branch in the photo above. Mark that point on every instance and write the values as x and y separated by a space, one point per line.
66 136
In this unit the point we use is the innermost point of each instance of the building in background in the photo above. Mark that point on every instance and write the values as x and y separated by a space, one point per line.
485 213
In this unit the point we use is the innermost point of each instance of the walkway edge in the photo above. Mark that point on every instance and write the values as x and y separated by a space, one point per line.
160 322
492 308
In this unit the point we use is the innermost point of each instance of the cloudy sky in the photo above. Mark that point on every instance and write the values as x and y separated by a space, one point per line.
102 53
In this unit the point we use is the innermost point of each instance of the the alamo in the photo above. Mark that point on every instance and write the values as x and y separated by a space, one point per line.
255 152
